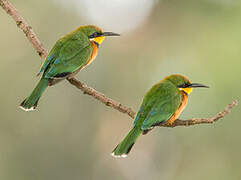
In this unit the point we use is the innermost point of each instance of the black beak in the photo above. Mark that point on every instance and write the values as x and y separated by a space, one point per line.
196 85
110 34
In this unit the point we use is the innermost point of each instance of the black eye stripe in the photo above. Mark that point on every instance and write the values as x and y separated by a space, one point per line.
185 85
95 34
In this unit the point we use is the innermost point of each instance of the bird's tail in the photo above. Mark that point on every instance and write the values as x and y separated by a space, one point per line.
31 102
125 146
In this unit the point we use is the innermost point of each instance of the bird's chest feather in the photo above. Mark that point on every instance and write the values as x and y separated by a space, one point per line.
179 110
94 53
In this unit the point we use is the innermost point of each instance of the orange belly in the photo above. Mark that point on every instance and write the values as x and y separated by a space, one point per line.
179 110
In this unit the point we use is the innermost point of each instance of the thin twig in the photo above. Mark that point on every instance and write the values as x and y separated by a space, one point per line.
28 31
101 97
195 121
22 24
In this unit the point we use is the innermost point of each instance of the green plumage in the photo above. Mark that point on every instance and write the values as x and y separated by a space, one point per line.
125 146
32 101
158 105
70 54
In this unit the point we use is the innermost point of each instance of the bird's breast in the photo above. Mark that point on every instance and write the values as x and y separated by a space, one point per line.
94 52
180 109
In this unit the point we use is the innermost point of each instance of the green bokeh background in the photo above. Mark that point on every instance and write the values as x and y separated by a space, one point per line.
71 135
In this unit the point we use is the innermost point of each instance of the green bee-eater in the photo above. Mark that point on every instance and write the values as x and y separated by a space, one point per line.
69 55
162 104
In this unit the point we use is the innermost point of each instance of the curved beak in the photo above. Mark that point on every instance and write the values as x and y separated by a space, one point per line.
196 85
110 34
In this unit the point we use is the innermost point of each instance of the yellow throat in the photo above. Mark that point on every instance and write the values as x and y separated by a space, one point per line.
99 40
186 90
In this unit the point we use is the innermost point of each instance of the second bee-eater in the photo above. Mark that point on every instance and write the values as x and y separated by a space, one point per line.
69 55
162 104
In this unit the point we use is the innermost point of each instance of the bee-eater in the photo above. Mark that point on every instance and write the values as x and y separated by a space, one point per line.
162 104
69 55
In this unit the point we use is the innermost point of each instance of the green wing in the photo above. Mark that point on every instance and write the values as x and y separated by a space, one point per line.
160 103
161 112
68 55
147 103
51 56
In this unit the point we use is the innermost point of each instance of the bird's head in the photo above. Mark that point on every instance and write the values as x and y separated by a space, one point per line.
95 34
183 84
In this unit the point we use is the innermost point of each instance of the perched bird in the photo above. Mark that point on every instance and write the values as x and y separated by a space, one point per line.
162 104
69 55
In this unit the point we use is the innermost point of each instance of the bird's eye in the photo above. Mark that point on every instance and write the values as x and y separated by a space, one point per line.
95 34
185 85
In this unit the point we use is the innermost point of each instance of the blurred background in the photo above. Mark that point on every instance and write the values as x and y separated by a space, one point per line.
71 135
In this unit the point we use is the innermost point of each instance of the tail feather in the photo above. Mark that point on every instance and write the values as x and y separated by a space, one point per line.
126 145
31 102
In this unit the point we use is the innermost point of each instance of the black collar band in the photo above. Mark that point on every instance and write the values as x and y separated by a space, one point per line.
97 44
184 92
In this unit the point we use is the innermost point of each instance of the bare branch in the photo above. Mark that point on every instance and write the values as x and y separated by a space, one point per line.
28 31
195 121
101 97
22 24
